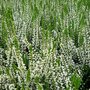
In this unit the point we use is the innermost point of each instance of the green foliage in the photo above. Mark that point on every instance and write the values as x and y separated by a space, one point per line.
65 8
38 39
82 22
28 76
85 78
81 40
35 13
39 87
15 42
25 60
76 81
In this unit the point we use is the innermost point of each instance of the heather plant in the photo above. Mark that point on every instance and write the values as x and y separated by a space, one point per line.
44 45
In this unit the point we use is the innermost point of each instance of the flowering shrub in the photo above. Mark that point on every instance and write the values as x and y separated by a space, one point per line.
44 45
